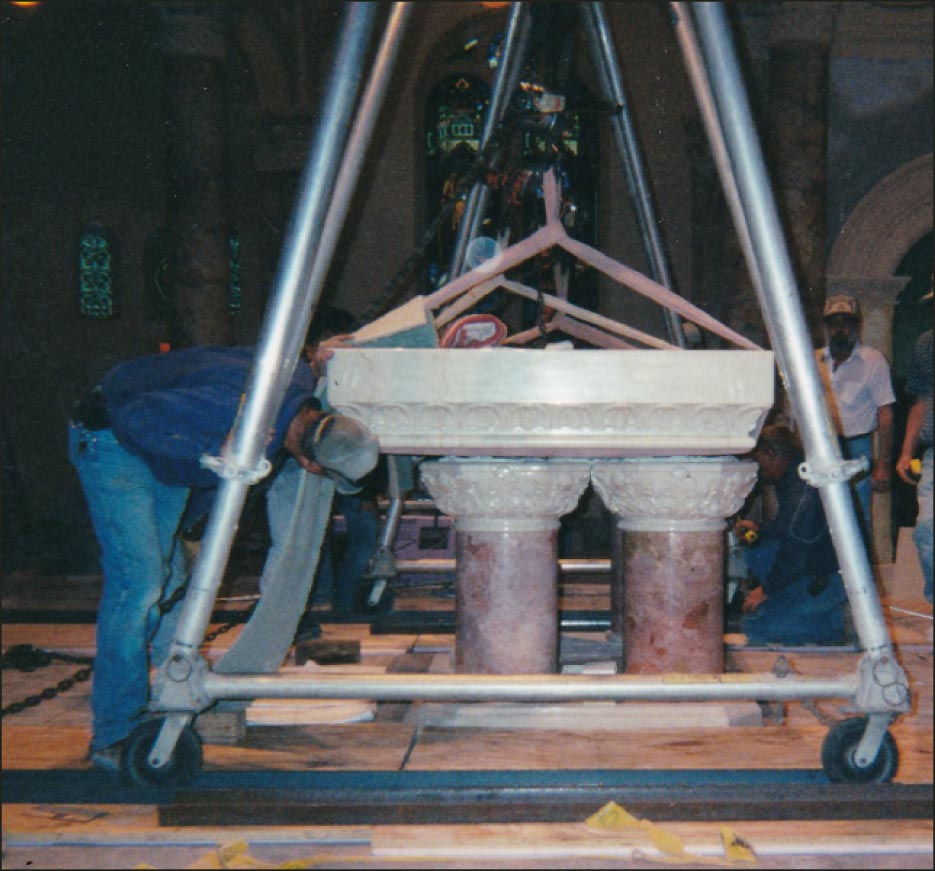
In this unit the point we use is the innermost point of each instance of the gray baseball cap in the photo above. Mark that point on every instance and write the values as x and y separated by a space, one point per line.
345 449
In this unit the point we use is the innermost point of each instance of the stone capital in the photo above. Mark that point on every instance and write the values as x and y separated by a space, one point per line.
674 494
505 495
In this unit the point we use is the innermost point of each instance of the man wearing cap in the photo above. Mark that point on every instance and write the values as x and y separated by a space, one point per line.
137 442
860 396
918 438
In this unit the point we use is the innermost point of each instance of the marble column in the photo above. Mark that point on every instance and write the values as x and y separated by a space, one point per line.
506 520
672 513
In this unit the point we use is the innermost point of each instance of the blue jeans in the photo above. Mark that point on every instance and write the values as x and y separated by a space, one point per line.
796 614
923 531
853 449
135 519
362 531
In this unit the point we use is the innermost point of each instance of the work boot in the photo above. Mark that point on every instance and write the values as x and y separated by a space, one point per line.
107 758
307 630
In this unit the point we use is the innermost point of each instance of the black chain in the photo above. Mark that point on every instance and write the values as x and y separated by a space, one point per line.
236 622
25 657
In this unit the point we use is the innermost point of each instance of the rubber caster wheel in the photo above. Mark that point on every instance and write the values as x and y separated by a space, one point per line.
184 765
837 755
362 601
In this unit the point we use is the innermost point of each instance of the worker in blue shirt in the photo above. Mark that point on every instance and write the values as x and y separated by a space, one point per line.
137 441
800 598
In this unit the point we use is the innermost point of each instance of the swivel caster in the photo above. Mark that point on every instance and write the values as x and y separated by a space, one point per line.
183 766
838 749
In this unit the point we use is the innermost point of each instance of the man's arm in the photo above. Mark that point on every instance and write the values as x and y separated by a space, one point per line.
880 475
911 439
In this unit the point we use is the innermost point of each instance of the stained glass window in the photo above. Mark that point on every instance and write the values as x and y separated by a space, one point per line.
95 274
548 123
454 123
233 247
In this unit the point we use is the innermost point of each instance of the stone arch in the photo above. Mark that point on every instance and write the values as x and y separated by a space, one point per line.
886 223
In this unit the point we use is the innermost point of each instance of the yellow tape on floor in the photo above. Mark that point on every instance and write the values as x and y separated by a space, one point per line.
613 818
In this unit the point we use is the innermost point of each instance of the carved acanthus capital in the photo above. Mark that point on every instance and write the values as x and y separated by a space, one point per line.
674 494
505 495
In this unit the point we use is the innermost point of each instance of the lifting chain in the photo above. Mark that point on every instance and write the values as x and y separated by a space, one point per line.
228 626
25 657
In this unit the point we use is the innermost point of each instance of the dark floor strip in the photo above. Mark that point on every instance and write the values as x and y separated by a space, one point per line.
545 804
90 786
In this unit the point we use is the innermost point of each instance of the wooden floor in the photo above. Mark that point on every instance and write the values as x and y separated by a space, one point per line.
349 736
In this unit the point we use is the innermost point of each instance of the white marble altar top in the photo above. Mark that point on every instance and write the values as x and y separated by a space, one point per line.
567 403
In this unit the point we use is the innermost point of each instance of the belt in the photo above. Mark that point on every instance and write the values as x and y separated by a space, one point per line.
91 411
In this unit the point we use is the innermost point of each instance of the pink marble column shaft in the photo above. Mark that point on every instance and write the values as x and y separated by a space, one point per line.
506 517
673 614
507 603
672 513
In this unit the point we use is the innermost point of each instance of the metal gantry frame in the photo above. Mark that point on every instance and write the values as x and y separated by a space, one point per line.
186 686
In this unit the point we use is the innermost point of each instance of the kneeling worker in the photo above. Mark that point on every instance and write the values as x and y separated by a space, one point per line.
801 596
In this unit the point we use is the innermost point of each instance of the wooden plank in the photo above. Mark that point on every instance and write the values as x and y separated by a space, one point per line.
539 841
365 745
596 716
44 747
740 747
289 712
120 824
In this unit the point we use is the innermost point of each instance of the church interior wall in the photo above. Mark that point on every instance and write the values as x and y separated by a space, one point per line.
85 140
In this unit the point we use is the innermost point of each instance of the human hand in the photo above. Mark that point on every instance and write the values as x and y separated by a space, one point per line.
753 600
320 354
741 527
905 471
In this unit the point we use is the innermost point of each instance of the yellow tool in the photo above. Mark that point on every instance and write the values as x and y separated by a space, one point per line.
915 466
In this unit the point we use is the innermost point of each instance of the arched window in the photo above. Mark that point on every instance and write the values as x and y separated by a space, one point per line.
95 273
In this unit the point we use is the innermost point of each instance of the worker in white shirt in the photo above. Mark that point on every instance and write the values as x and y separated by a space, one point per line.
860 396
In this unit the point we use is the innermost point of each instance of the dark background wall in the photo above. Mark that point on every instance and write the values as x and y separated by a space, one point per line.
90 107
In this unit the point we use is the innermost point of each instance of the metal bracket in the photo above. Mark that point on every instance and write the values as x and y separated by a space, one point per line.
872 739
164 746
881 685
382 564
179 684
224 468
832 473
